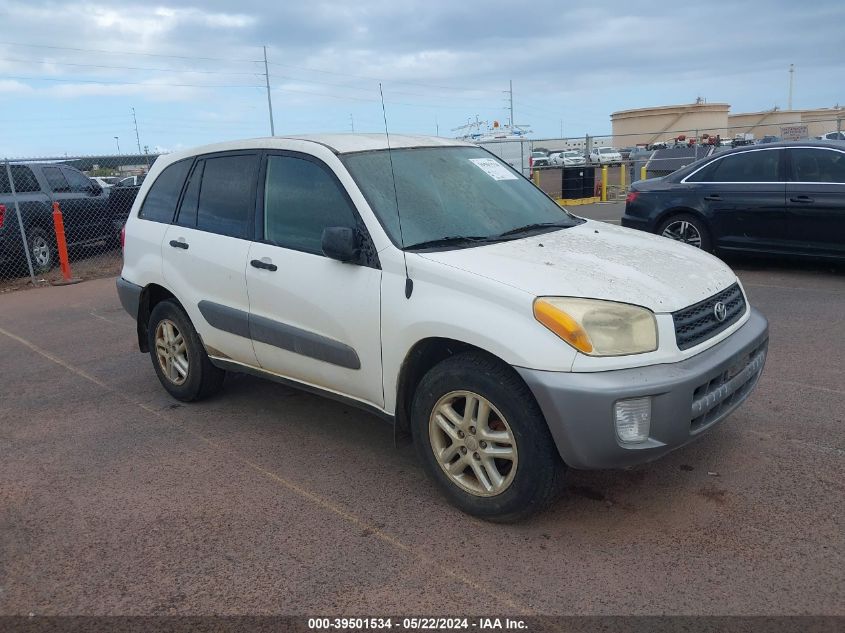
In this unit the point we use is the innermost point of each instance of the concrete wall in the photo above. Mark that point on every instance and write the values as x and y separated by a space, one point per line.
649 125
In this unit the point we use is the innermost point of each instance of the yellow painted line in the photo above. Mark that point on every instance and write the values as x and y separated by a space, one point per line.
313 497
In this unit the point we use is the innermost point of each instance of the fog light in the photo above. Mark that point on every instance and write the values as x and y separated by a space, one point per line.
633 419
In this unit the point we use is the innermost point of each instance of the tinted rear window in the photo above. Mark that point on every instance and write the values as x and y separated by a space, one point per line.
163 196
817 165
24 179
227 195
56 179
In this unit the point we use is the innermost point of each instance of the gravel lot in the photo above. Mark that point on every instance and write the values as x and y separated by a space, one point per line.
115 499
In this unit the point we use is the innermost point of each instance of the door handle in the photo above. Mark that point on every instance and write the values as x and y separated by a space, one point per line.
804 199
715 197
178 244
257 263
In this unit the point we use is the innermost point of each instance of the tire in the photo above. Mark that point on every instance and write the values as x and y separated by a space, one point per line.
42 250
189 374
686 228
528 479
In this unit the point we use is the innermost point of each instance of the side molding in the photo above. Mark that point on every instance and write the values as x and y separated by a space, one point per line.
281 335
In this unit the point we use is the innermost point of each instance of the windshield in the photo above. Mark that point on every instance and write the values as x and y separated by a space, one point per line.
448 192
572 154
538 155
607 150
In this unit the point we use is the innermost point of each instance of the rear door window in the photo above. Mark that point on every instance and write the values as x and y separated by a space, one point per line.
163 196
190 201
817 165
227 195
78 181
56 179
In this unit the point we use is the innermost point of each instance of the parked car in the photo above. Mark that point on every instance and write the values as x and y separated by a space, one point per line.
539 159
605 156
131 181
769 138
283 258
832 136
782 198
105 182
121 197
37 185
568 158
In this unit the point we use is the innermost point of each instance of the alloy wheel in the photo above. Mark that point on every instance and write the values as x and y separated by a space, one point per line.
683 231
473 443
171 351
40 251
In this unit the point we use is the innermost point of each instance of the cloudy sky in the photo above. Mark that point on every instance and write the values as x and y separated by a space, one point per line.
71 71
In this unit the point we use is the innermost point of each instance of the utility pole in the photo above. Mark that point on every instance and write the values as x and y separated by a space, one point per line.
117 140
510 90
352 123
791 78
269 101
137 138
436 126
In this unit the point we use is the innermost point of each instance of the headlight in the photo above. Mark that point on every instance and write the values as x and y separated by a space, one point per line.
599 328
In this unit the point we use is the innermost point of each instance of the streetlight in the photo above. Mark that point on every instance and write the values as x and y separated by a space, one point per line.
117 140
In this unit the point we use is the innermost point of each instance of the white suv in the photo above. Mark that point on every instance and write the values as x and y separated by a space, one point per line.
432 284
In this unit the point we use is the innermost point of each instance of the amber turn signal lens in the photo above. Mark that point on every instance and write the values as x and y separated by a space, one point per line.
563 325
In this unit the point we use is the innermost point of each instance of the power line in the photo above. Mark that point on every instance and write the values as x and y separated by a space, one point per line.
109 67
113 52
127 83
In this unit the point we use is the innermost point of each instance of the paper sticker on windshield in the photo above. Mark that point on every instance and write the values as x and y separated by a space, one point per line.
493 168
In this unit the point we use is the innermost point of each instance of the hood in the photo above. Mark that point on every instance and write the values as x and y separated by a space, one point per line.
600 261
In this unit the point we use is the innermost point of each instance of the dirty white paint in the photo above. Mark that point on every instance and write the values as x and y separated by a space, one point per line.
600 261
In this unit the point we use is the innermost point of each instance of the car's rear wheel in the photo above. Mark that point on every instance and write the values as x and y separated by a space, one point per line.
483 438
686 228
178 356
42 252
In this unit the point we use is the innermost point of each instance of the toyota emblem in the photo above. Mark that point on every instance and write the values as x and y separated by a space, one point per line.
720 311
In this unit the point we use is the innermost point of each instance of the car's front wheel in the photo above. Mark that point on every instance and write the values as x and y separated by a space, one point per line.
686 228
483 438
178 355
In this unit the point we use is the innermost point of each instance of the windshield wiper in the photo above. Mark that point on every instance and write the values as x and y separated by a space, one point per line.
532 227
448 240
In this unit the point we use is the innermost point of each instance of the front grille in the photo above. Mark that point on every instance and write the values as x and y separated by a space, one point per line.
697 323
720 395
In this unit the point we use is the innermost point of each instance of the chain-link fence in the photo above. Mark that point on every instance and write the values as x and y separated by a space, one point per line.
61 218
568 166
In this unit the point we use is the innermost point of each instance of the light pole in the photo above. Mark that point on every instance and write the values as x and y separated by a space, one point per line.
117 140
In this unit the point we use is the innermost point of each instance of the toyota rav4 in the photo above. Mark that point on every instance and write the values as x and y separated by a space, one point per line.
426 281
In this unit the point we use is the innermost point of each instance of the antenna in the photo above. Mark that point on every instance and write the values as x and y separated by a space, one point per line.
409 284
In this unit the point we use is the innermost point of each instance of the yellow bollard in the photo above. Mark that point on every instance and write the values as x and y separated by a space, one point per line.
622 169
536 177
604 183
642 173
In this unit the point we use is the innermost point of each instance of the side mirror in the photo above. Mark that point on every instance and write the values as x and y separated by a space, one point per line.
341 243
96 189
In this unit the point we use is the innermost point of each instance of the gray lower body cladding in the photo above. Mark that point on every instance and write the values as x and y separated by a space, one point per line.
687 398
129 295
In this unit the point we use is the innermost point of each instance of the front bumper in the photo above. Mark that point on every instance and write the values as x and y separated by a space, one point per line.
687 398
